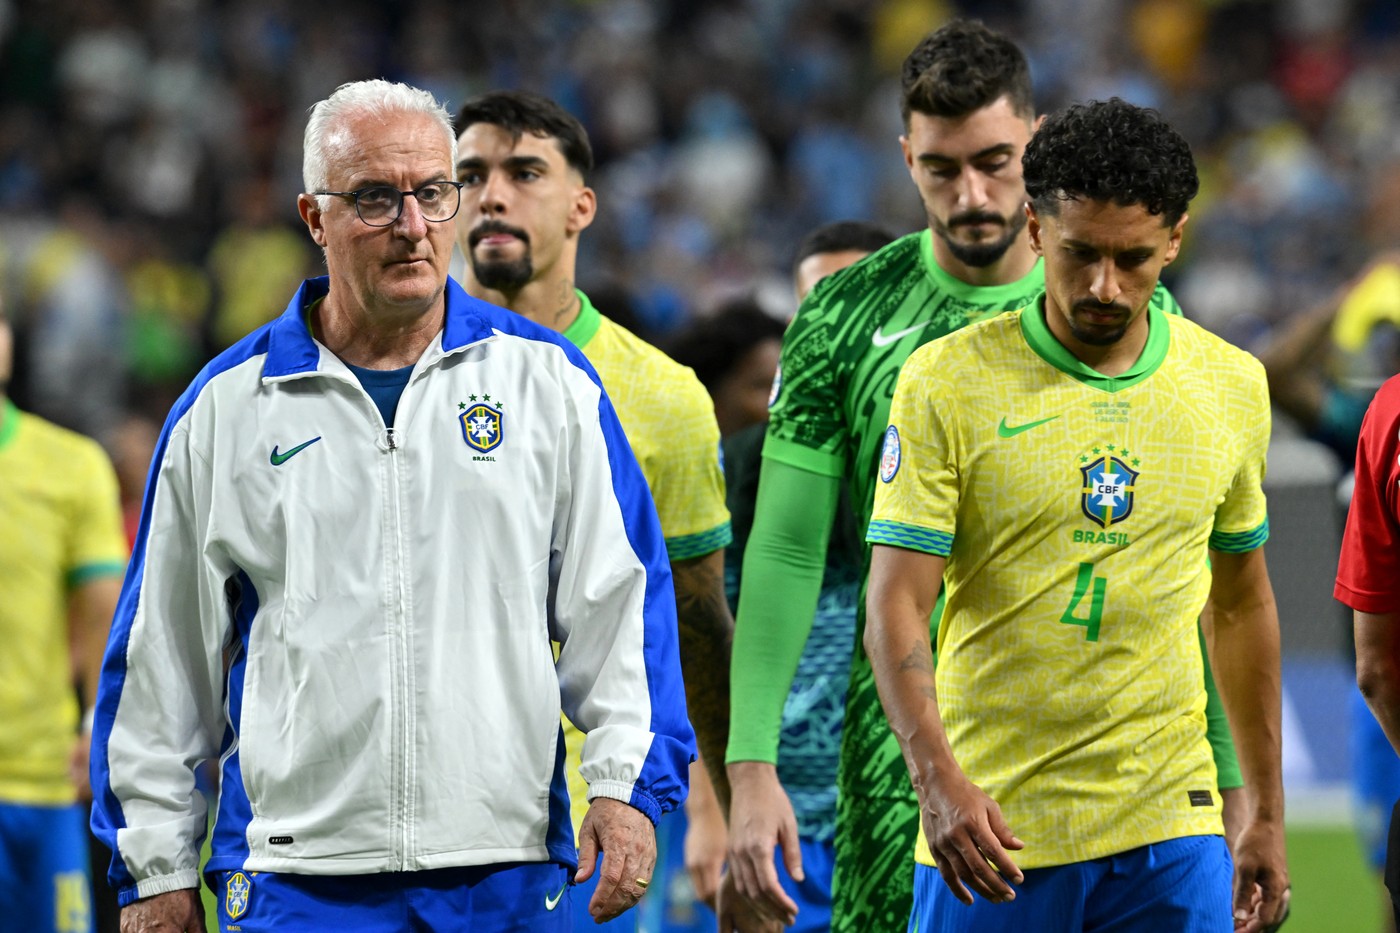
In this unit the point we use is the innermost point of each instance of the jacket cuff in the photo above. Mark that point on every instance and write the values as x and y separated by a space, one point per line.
630 794
160 884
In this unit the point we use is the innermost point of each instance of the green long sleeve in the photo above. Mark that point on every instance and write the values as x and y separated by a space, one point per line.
781 583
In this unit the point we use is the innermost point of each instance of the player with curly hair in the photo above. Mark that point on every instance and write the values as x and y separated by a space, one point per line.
1066 470
967 113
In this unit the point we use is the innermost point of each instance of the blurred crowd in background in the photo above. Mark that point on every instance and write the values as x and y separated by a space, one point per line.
150 151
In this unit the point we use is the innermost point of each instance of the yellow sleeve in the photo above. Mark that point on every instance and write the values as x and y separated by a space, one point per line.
687 477
96 544
916 500
1242 521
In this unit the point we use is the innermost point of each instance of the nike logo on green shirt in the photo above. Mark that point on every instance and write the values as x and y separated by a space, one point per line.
884 340
279 459
1006 430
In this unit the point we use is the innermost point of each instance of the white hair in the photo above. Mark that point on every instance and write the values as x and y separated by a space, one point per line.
325 129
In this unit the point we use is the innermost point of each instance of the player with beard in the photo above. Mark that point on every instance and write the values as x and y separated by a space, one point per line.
522 161
968 114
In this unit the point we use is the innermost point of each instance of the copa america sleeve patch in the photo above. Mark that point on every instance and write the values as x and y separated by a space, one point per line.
889 457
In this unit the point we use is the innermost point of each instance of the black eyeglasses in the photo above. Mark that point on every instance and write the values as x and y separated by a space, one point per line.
381 205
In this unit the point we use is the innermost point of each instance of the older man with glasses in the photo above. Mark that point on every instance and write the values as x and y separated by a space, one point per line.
366 524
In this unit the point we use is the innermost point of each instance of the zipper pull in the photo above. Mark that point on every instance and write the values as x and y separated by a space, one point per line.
390 438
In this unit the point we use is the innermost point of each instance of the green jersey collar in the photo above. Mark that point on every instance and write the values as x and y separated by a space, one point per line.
586 324
9 422
978 295
1037 333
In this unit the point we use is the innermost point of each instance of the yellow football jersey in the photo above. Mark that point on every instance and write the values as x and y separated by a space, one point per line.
1076 511
60 525
670 424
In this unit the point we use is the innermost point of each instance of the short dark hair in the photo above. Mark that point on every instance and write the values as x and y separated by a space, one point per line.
717 343
1110 151
843 236
961 67
519 112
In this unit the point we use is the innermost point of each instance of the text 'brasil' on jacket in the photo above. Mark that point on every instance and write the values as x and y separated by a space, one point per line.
384 602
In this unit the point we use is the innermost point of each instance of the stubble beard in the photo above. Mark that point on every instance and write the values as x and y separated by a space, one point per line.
979 255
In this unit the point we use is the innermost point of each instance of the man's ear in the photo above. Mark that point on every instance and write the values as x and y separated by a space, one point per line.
1033 229
311 213
582 211
1174 242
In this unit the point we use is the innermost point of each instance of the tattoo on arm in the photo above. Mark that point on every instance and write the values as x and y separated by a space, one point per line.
919 658
920 661
706 636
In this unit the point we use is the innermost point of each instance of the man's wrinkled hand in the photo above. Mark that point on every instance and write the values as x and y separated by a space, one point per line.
171 912
623 839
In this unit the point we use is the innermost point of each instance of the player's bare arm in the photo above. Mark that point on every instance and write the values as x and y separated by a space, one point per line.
1378 667
1243 640
706 637
964 826
706 839
91 606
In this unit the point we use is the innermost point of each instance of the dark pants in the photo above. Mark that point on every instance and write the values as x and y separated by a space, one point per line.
1392 862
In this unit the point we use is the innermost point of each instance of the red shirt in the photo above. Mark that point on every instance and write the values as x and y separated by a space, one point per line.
1368 576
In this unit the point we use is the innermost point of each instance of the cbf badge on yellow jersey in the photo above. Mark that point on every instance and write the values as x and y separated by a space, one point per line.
238 891
1109 485
890 454
483 423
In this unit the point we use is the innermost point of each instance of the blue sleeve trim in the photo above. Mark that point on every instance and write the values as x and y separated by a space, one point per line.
698 545
107 815
229 849
663 780
1239 542
912 537
644 802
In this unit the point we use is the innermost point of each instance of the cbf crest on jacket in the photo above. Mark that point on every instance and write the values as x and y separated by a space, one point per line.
355 622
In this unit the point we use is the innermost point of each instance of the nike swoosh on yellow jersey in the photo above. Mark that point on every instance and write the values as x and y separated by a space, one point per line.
1006 430
884 340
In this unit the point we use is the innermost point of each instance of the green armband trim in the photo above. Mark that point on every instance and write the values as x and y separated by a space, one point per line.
700 544
1239 542
912 537
803 458
89 572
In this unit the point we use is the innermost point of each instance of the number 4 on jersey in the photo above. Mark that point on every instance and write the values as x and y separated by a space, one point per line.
1094 600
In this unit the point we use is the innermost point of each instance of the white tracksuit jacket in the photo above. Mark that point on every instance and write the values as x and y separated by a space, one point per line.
384 602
